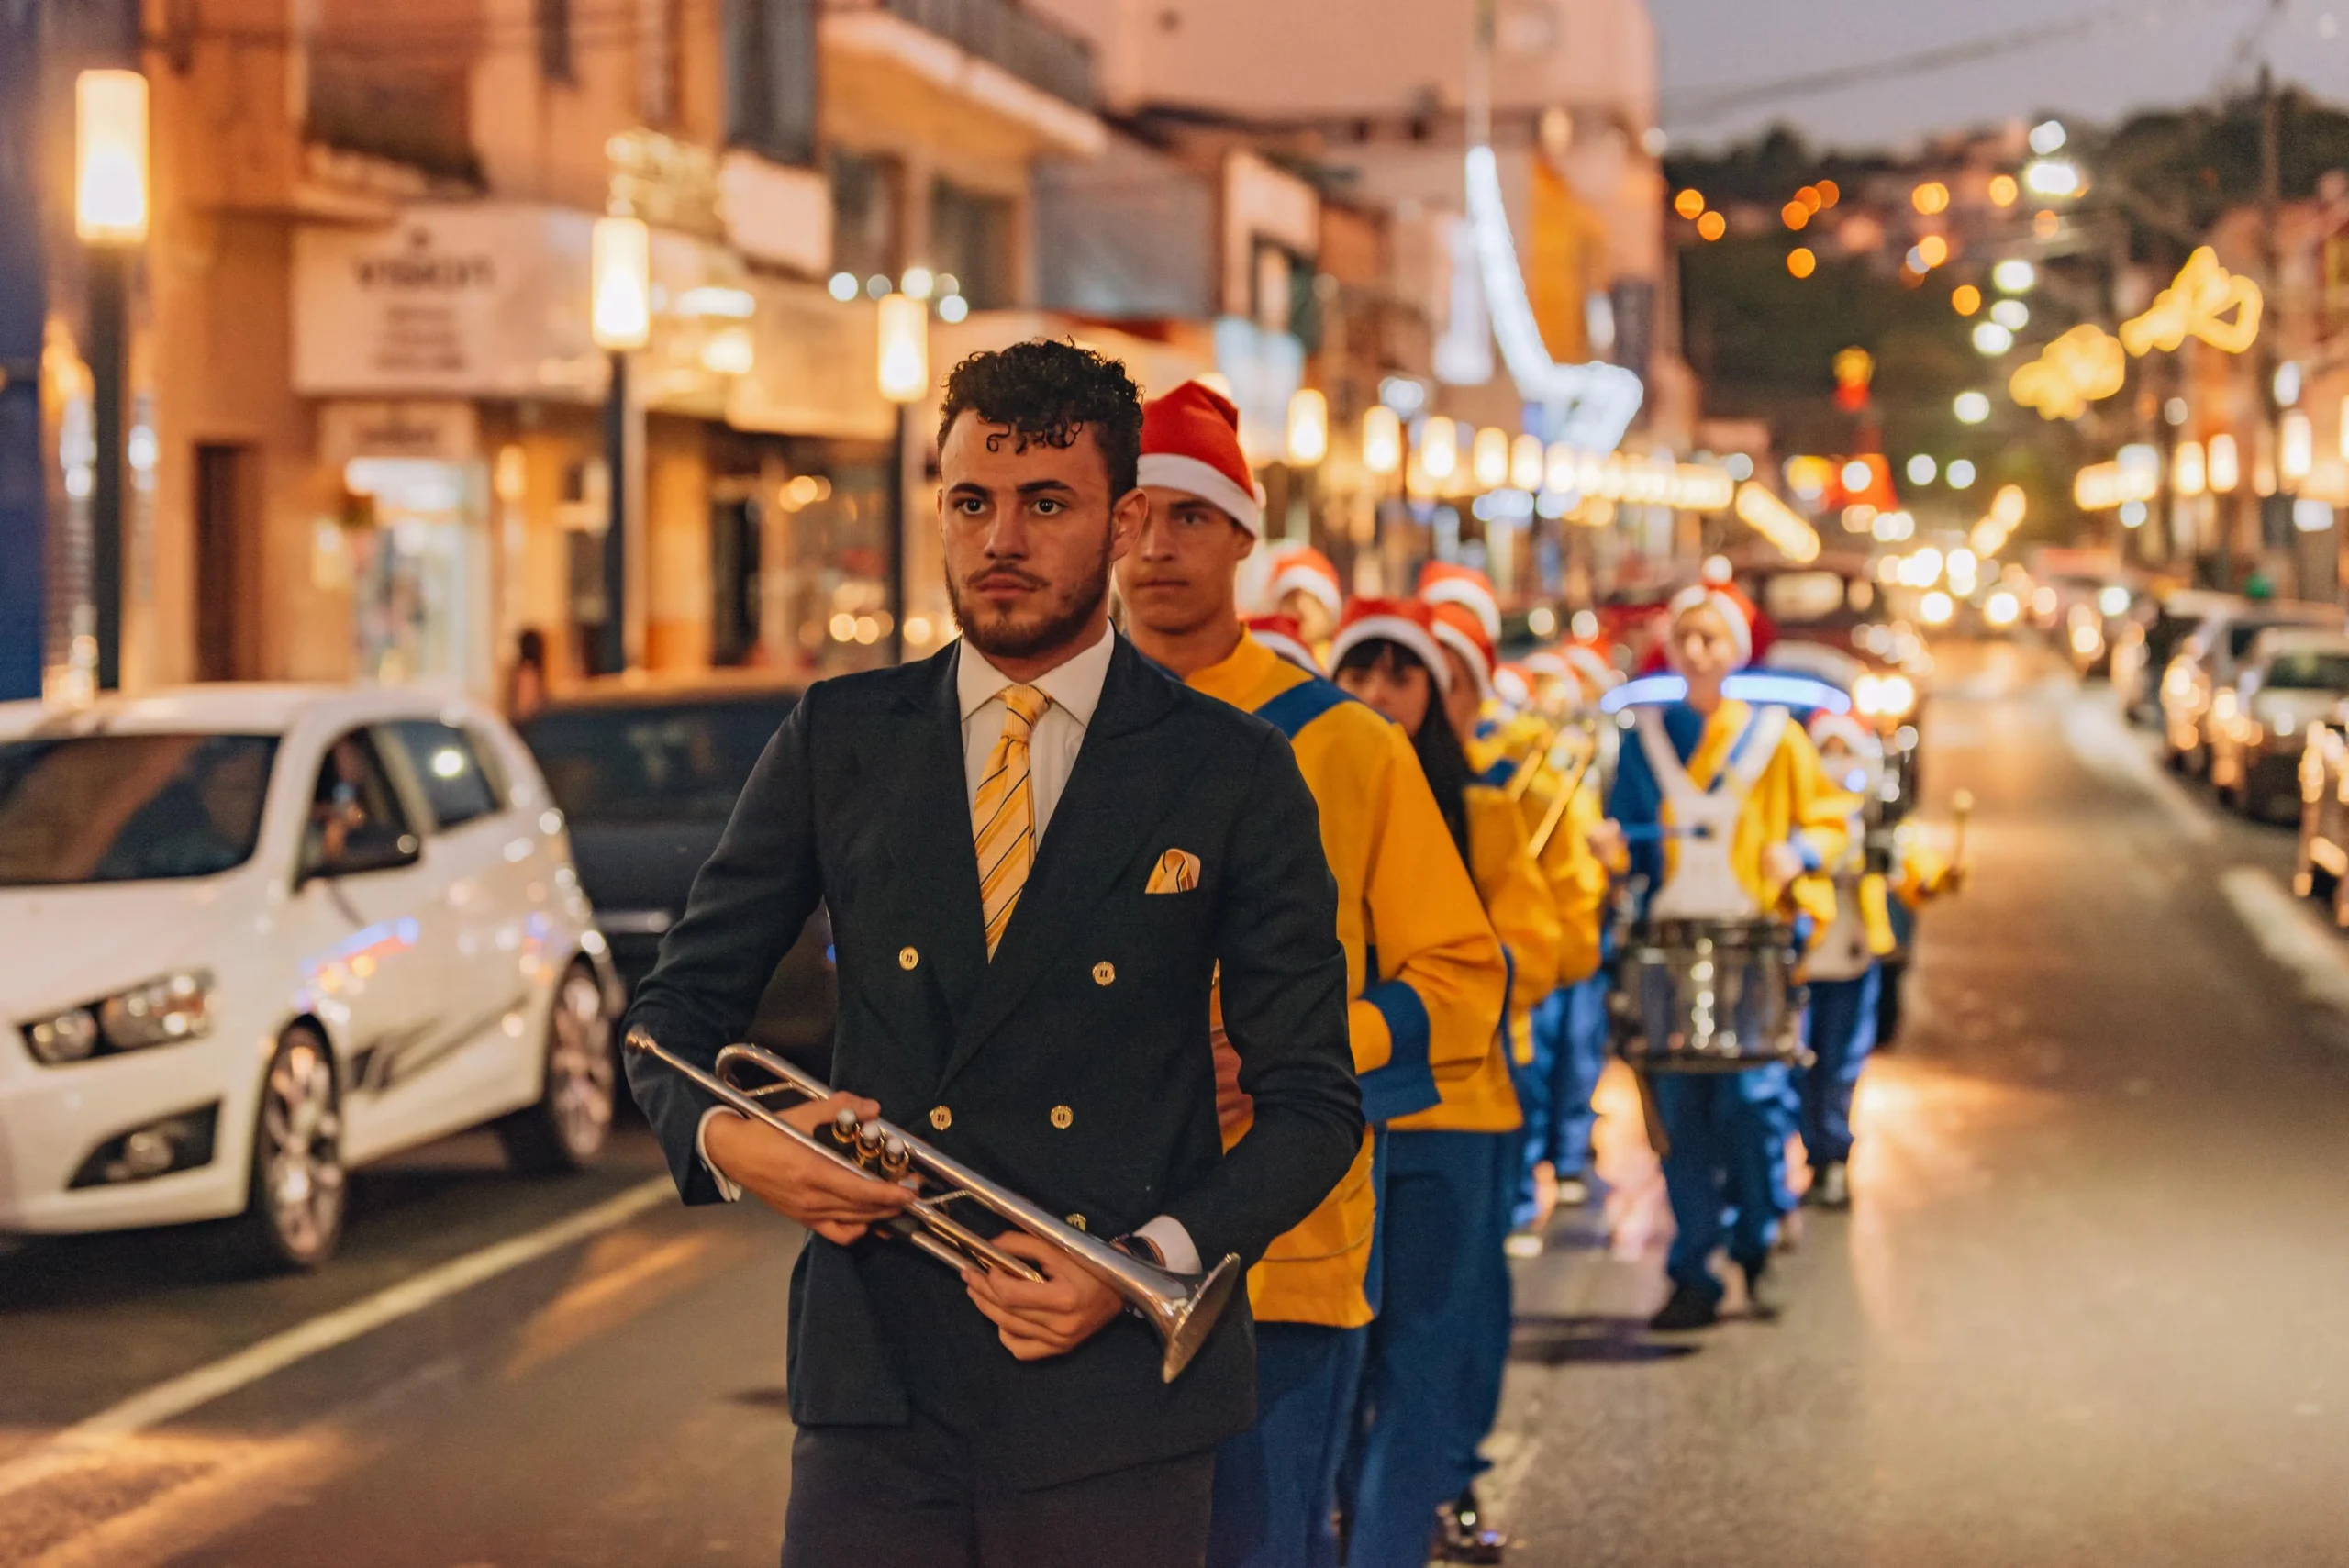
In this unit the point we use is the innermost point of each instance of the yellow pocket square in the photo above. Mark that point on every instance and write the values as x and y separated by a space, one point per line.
1177 872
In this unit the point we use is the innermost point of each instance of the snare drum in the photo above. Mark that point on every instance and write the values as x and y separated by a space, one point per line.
1709 996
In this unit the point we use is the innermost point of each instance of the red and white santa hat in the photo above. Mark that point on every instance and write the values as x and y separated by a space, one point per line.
1404 622
1441 583
1857 737
1703 595
1285 638
1513 683
1298 568
1455 627
1190 441
1590 666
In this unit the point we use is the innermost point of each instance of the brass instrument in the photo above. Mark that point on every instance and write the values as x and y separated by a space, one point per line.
1181 1309
1557 812
1530 765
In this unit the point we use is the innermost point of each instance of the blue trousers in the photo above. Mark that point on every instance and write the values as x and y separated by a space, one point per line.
1554 1091
1276 1484
1726 1174
1841 1032
1432 1383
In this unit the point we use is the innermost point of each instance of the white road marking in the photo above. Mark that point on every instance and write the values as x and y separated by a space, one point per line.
176 1397
2291 933
2104 744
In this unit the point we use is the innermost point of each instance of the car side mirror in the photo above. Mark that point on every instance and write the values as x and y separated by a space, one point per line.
365 855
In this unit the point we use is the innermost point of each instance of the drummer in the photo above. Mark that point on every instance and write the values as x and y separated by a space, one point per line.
1726 815
1844 972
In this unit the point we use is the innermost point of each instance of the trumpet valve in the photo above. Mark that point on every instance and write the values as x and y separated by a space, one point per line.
872 1144
897 1161
844 1128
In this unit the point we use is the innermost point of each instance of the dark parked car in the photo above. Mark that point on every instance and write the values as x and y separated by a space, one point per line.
647 773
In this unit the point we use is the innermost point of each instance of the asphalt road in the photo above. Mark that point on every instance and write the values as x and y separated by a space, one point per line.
2084 1310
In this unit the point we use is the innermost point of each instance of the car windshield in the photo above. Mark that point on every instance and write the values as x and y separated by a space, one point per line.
2310 670
636 762
89 808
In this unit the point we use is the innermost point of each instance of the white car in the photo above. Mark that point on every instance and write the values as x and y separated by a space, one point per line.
259 935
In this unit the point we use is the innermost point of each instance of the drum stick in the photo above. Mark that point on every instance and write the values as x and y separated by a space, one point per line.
1961 808
1557 812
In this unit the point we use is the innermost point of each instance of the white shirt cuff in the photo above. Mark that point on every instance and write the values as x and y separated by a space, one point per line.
1173 1243
728 1188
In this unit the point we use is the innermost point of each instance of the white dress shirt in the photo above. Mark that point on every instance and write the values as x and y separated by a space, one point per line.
1074 687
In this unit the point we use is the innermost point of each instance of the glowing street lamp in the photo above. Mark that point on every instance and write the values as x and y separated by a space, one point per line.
1309 427
619 268
111 202
1382 439
110 195
903 375
2226 463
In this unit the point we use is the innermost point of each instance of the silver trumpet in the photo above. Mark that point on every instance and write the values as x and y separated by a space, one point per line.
1181 1309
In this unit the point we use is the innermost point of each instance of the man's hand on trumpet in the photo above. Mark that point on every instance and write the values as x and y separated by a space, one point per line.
836 1203
1038 1321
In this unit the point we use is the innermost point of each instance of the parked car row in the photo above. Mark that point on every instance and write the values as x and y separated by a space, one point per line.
2240 690
260 936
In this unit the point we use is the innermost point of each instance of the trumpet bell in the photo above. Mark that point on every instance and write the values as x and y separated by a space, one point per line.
1184 1321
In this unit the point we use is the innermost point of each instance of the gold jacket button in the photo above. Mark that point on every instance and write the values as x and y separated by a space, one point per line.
940 1118
1103 973
1077 1221
907 958
1063 1116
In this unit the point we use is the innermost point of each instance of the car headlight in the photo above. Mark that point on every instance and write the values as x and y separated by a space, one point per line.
163 1011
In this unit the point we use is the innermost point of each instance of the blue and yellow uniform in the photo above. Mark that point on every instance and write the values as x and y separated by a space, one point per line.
1427 982
1725 1171
1433 1383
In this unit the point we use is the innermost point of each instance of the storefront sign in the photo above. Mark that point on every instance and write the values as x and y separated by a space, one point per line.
473 300
441 432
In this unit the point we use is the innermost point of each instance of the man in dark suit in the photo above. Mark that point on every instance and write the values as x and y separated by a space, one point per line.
1037 849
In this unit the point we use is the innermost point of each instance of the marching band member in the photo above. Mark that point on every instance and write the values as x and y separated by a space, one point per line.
1303 585
1431 1385
1567 1041
1844 970
1726 815
1425 975
1285 638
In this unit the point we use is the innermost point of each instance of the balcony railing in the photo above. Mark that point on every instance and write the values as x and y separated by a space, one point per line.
1039 52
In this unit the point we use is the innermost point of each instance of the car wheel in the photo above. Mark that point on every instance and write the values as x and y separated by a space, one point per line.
294 1215
566 1128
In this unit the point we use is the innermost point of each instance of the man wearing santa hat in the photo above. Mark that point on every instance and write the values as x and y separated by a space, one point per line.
1302 583
1423 1006
1726 815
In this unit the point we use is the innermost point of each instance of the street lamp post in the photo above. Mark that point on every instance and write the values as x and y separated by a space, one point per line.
903 377
111 218
620 315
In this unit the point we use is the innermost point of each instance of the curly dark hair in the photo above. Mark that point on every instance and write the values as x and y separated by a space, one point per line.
1050 393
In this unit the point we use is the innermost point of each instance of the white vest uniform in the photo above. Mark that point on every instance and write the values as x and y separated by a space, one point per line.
1699 883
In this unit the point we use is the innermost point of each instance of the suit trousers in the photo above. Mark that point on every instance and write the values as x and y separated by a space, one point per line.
921 1496
1726 1175
1276 1484
1841 1031
1433 1383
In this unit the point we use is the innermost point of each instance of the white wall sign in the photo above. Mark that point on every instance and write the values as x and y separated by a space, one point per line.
469 300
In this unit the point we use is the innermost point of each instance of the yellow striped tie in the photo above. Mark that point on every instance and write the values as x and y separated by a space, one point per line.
1003 817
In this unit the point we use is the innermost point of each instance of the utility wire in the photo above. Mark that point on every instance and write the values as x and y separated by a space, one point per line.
1697 104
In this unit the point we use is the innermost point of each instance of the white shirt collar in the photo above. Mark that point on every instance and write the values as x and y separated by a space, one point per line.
1073 685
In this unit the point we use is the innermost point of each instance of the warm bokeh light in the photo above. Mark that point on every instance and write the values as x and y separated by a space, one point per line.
1971 407
1801 263
1828 193
620 283
1809 197
1688 203
905 349
1933 249
1965 299
1526 462
1931 197
2045 225
1309 427
2187 474
1795 214
1712 225
2004 191
110 197
1488 458
1382 439
2225 464
1438 449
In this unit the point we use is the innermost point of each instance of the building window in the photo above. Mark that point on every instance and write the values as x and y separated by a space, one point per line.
556 62
863 224
970 237
770 78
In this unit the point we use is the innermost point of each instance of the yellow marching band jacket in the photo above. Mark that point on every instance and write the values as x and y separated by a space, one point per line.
1445 962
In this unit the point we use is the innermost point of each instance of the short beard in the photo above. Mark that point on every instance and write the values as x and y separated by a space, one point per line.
1012 638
